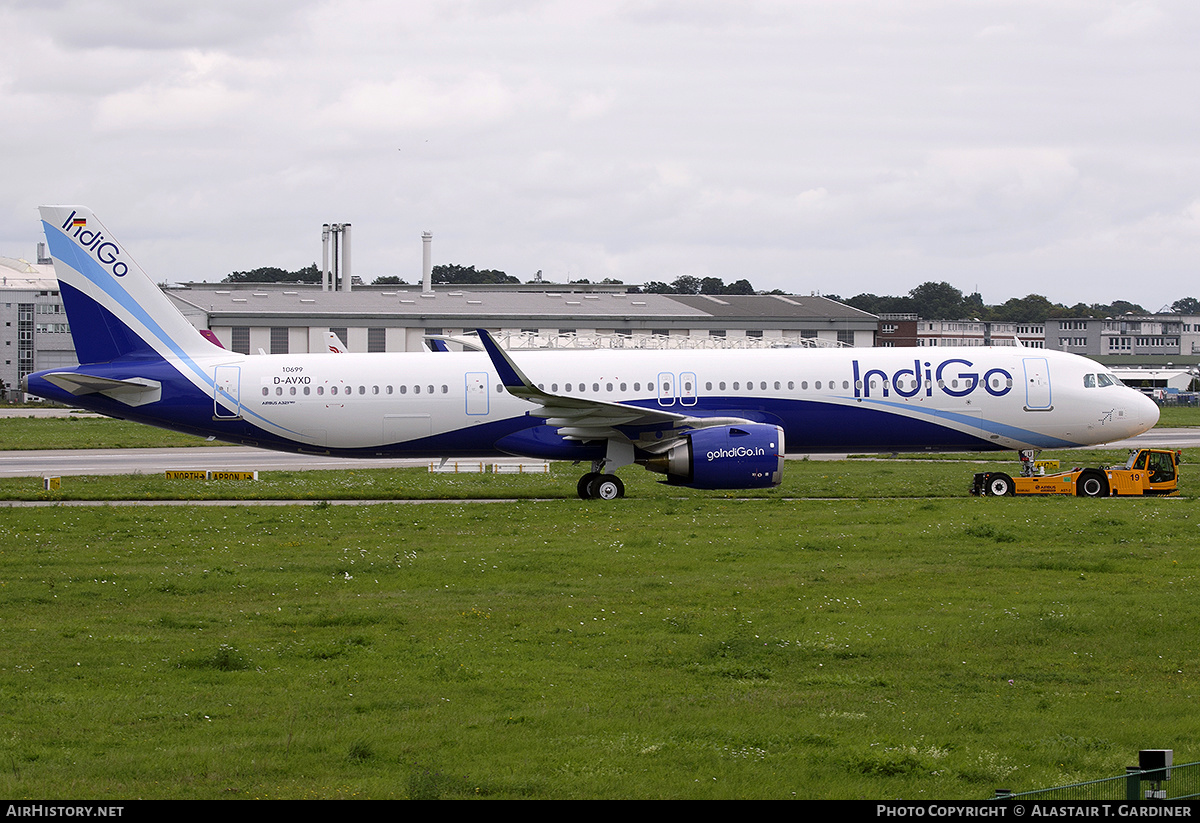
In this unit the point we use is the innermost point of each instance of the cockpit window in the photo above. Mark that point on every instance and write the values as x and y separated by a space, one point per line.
1091 381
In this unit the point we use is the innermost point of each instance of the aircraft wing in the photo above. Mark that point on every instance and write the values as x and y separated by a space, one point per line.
582 418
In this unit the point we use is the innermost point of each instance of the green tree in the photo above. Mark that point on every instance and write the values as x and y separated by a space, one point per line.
1120 307
875 304
938 301
272 274
1034 308
657 287
451 274
686 284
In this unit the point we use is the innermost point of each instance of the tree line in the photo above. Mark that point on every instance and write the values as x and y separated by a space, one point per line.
941 301
930 301
451 274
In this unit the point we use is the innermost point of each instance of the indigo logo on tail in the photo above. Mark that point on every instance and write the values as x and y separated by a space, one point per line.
104 250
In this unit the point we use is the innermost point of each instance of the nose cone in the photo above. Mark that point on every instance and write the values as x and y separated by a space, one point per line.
1147 412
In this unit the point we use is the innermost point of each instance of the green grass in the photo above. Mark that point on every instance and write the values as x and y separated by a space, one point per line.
899 639
676 644
869 477
1178 416
78 432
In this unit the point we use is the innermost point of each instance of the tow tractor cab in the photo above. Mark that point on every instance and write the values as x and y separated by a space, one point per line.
1146 472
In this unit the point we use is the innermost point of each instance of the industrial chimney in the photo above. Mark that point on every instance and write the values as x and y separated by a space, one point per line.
427 263
339 233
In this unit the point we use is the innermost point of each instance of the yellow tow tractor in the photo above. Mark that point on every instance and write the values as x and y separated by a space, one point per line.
1146 472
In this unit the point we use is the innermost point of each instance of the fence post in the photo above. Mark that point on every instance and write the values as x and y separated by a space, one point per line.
1133 783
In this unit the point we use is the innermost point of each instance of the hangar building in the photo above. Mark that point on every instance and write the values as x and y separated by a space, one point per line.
282 318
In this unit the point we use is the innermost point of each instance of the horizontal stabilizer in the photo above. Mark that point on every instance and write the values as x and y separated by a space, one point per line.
132 392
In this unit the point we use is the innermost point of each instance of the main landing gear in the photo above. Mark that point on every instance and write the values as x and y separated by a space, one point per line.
598 486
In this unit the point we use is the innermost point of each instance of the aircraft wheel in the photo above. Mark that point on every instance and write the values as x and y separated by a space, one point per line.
607 487
1000 485
1091 484
585 485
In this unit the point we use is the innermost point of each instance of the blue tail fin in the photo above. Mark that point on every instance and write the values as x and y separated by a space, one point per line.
115 310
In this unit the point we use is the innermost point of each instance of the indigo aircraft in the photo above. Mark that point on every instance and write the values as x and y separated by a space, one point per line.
706 419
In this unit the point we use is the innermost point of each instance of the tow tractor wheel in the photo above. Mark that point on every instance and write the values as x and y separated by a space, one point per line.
607 487
1091 484
1000 485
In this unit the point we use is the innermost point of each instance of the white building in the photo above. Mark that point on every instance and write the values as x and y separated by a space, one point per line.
35 331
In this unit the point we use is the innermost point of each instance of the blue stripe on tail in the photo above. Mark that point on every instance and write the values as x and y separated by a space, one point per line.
98 335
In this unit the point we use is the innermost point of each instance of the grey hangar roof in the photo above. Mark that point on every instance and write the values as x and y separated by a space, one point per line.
225 304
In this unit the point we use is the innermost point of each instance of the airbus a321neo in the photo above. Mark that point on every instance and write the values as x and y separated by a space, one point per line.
705 419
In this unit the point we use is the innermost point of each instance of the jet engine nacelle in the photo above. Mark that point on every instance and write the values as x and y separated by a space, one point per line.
748 456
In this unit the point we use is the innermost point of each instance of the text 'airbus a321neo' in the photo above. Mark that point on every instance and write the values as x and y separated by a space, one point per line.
705 419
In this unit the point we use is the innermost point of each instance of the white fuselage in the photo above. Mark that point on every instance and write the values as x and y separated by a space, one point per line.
1006 397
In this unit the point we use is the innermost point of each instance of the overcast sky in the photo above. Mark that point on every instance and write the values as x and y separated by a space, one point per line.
832 146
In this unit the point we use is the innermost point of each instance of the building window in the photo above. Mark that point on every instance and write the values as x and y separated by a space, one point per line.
376 340
240 339
279 340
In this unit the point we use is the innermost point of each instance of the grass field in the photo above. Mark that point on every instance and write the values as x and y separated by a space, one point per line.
80 432
1175 416
867 630
864 477
672 644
